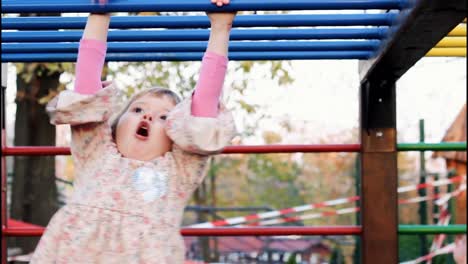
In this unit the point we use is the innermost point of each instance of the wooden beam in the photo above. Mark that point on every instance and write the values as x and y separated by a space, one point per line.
416 31
379 173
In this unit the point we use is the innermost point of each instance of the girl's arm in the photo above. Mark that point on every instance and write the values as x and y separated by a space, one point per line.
213 70
91 54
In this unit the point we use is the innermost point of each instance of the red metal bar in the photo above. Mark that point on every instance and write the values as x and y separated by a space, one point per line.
46 150
4 168
35 151
272 231
4 196
22 231
229 231
292 148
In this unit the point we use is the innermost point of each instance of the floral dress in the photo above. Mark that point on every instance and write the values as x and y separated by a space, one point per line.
125 210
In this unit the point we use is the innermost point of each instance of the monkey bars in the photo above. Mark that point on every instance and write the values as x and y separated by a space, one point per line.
126 22
197 46
234 56
75 6
192 56
200 34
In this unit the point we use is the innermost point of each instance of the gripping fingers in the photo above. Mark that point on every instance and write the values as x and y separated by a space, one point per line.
220 3
101 2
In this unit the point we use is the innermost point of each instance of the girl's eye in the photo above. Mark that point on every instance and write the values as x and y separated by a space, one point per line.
137 109
163 117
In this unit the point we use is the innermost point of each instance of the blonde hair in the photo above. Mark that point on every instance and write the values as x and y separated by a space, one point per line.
155 91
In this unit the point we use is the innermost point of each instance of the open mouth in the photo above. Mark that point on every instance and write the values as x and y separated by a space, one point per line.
143 130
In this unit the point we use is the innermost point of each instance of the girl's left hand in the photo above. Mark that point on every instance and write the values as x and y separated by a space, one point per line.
101 2
221 20
220 3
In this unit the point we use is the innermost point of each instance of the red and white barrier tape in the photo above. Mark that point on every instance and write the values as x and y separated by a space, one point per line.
444 220
437 183
337 212
25 258
271 214
305 217
445 250
444 199
307 207
438 240
444 217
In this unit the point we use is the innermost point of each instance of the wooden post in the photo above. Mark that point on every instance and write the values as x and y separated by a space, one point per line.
379 172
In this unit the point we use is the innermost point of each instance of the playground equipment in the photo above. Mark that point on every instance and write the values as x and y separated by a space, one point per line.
387 44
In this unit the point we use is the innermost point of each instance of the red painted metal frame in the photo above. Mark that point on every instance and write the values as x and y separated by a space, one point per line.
249 231
4 198
230 231
35 151
45 150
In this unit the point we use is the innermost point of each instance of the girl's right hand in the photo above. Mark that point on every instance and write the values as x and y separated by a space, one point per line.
101 2
221 20
220 2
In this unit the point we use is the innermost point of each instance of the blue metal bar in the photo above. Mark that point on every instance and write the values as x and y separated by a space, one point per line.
126 22
200 34
191 56
200 46
74 6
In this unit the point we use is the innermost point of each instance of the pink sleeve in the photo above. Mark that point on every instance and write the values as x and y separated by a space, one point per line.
205 99
89 64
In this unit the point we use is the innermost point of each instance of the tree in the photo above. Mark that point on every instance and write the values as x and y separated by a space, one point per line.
34 193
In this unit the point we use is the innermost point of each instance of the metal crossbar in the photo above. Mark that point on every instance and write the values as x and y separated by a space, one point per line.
192 56
126 22
198 46
200 34
74 6
445 146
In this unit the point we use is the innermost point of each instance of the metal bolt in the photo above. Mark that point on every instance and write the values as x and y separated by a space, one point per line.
379 134
380 100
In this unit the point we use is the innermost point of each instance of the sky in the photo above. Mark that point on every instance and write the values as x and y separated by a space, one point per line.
325 96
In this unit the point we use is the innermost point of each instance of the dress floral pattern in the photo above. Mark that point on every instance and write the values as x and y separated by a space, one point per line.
125 210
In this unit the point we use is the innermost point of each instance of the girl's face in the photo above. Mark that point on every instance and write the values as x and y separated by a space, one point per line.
140 132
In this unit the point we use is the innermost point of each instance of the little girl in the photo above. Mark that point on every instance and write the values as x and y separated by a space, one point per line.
137 168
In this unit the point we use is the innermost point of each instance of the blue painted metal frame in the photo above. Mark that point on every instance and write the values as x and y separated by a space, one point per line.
198 46
126 22
191 56
200 34
74 6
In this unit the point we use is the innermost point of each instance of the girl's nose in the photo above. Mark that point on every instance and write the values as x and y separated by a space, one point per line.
148 117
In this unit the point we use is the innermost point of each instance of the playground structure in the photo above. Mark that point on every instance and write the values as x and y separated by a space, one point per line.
388 44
